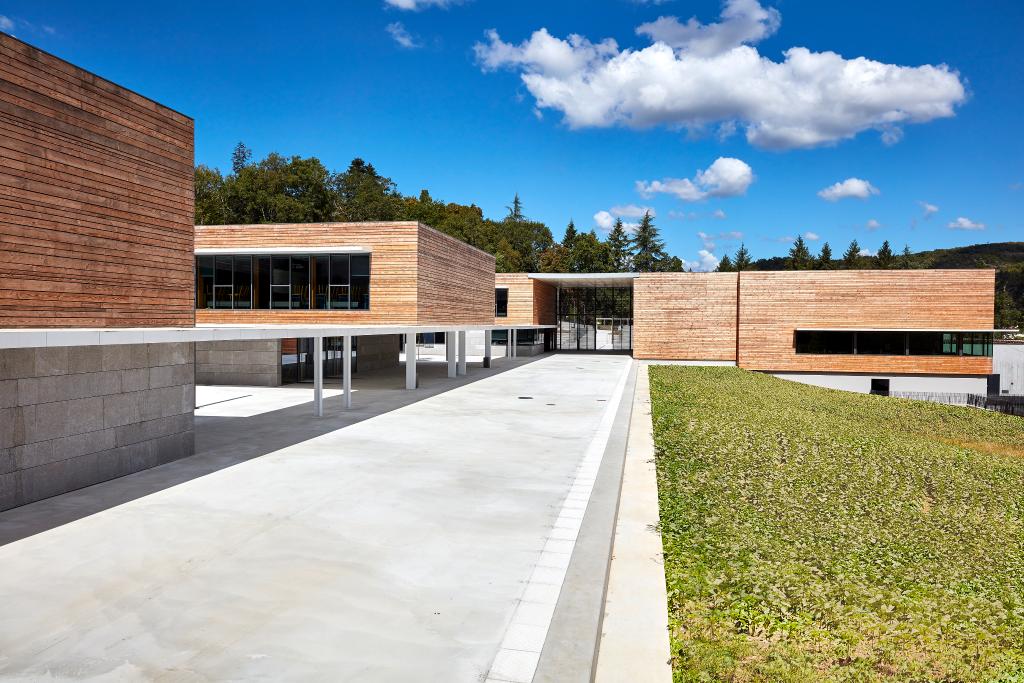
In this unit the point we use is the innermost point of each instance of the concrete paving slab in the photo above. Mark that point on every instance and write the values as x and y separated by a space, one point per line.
396 548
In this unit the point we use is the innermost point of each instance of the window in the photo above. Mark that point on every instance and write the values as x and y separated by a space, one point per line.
261 281
825 341
932 344
243 282
359 282
339 281
882 343
298 281
892 343
501 302
321 278
204 282
879 387
976 344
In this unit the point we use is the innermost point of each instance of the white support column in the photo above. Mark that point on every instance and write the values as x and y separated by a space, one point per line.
487 348
451 342
346 372
462 353
410 360
515 343
318 376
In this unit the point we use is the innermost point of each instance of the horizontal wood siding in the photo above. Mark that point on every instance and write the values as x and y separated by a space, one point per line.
544 303
95 200
393 268
684 316
455 280
417 275
520 298
773 305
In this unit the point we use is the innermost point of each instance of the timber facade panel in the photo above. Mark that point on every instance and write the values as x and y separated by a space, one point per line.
530 302
418 276
684 316
95 199
774 304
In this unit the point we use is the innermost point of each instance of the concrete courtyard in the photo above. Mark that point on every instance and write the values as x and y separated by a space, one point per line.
422 536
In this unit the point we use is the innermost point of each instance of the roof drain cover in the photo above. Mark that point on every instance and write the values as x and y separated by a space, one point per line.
525 397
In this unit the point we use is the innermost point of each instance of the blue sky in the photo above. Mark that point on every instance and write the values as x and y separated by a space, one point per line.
579 127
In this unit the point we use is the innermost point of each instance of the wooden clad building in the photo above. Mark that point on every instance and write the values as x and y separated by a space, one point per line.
688 316
774 305
416 275
96 205
529 301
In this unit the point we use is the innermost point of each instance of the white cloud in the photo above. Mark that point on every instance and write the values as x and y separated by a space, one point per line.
605 220
706 262
401 36
731 235
872 224
743 21
706 77
963 223
867 252
719 214
929 209
726 177
707 240
417 5
811 236
851 187
632 211
6 24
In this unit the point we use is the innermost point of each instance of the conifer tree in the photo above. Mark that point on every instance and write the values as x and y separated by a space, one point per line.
570 235
904 260
799 255
742 260
884 259
725 265
851 257
621 252
648 248
825 258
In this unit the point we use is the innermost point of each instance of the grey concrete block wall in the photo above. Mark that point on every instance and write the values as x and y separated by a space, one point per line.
239 363
75 416
378 351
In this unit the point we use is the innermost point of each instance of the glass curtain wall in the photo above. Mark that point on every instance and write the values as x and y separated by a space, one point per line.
286 281
595 319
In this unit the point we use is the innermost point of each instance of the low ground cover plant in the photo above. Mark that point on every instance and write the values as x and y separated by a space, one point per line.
819 535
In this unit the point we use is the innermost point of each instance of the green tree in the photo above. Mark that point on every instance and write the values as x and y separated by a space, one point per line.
620 250
825 258
554 259
673 264
725 265
851 257
365 195
648 248
905 260
241 156
884 258
281 190
528 238
1007 314
210 206
799 255
588 254
742 260
570 235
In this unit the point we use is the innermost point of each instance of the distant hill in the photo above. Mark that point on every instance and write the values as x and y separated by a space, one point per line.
1006 257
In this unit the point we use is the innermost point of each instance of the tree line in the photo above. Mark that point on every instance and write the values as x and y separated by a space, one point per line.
801 258
279 189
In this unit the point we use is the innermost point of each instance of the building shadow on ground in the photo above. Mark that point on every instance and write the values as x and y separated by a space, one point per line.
223 440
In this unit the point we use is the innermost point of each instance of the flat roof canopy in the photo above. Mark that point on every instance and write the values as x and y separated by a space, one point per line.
586 279
899 329
46 337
